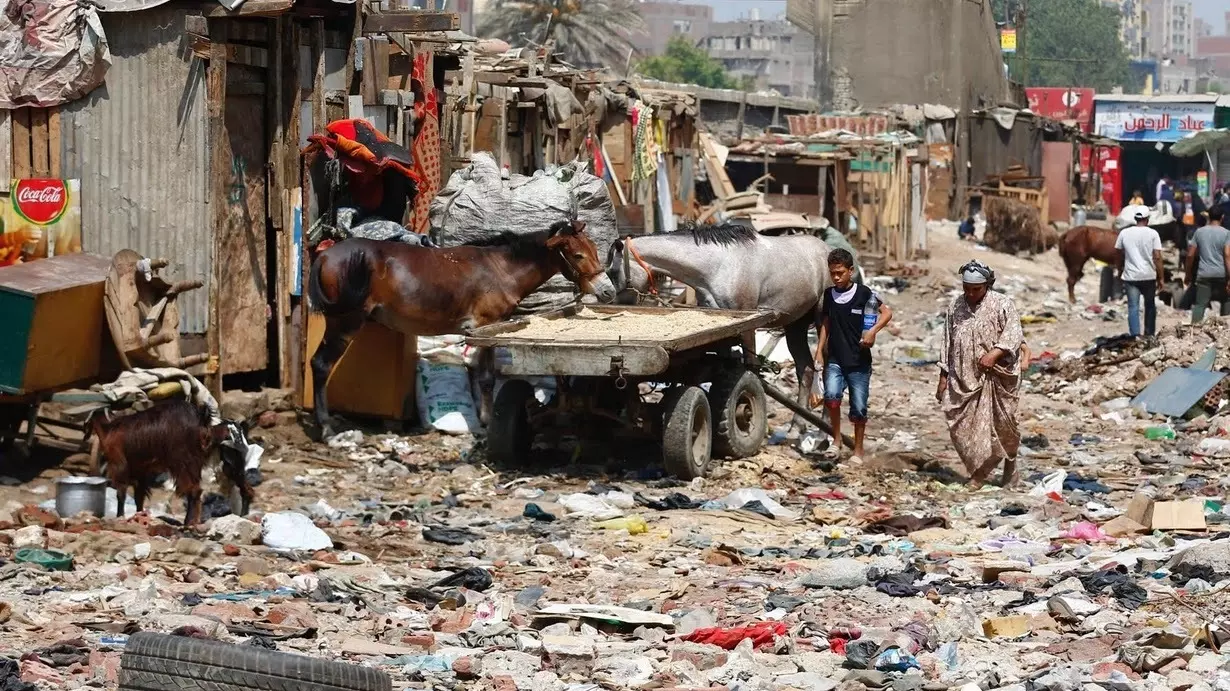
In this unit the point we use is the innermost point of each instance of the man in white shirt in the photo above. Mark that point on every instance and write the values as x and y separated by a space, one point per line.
1140 267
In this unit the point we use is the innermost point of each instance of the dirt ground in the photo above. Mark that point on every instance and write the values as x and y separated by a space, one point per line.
963 596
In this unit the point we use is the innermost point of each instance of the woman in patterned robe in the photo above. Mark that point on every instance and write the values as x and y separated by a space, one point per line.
980 371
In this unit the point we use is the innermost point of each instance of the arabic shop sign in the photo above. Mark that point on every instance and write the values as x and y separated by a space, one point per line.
1151 122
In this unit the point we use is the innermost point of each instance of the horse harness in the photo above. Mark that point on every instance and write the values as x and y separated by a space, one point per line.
653 284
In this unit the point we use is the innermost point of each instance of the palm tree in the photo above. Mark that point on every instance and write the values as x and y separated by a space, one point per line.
587 33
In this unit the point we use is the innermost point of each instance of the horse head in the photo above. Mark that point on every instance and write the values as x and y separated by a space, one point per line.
628 277
580 259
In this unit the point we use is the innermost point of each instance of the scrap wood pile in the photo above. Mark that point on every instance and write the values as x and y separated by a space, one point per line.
1014 226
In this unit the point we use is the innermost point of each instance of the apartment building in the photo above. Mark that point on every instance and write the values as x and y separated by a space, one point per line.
776 54
1170 29
1131 25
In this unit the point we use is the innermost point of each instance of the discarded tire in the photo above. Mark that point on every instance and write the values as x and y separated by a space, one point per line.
687 436
158 661
740 419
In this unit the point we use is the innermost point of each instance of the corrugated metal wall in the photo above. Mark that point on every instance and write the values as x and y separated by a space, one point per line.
139 146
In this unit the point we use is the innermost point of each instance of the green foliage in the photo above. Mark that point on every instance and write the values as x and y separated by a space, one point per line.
685 63
587 33
1067 43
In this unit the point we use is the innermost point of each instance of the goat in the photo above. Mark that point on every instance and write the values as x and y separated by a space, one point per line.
174 438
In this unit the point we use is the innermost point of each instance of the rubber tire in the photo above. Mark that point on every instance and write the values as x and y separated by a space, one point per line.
509 434
729 441
159 661
684 457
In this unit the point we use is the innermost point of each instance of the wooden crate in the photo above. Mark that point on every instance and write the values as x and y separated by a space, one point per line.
52 311
375 377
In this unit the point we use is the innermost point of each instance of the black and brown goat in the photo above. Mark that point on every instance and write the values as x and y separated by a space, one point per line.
174 438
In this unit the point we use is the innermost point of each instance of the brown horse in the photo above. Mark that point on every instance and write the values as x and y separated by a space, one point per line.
1082 243
429 292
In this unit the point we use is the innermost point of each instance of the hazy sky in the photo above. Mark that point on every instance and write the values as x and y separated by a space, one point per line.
1211 11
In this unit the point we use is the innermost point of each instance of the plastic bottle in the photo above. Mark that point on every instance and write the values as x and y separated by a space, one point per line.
633 524
871 312
1159 432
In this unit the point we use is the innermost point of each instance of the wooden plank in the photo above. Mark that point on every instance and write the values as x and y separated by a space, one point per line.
40 160
538 359
236 53
6 149
215 90
410 21
369 89
22 163
319 116
53 141
379 57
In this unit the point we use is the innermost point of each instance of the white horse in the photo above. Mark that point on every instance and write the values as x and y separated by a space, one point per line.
731 266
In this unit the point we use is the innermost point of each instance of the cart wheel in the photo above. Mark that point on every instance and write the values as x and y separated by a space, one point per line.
741 425
687 438
509 435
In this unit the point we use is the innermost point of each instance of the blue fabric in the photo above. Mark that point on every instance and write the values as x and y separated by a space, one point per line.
858 380
1135 291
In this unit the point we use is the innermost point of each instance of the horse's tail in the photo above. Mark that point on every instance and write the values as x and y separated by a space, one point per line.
354 283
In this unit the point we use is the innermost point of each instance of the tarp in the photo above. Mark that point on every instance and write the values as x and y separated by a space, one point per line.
51 52
1197 143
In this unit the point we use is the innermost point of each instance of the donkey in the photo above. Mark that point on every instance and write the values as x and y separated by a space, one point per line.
731 266
430 292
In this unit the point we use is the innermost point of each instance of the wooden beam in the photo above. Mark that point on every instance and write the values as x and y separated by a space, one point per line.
6 149
22 163
220 163
40 159
238 54
410 21
319 118
53 141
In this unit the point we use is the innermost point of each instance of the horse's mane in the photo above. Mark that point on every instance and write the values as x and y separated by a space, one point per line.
520 245
717 233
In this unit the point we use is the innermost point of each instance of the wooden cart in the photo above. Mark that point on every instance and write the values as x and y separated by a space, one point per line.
599 357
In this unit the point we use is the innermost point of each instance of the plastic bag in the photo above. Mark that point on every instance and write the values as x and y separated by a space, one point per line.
288 530
739 497
444 399
589 506
1051 486
1088 532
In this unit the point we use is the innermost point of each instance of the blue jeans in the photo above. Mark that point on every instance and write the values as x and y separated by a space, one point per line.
858 381
1135 291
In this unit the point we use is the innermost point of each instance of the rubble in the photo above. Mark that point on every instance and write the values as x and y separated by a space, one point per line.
780 571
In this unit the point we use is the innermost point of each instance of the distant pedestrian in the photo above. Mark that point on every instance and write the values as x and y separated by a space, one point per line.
965 231
980 374
850 317
1208 265
1138 199
1140 268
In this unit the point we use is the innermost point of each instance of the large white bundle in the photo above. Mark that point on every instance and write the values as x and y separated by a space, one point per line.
478 203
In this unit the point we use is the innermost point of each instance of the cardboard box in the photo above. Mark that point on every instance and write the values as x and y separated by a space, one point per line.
1006 627
1179 515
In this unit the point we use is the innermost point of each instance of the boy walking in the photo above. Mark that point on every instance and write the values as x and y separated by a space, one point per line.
850 316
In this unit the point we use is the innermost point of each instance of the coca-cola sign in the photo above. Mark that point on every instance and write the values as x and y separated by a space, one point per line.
41 202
